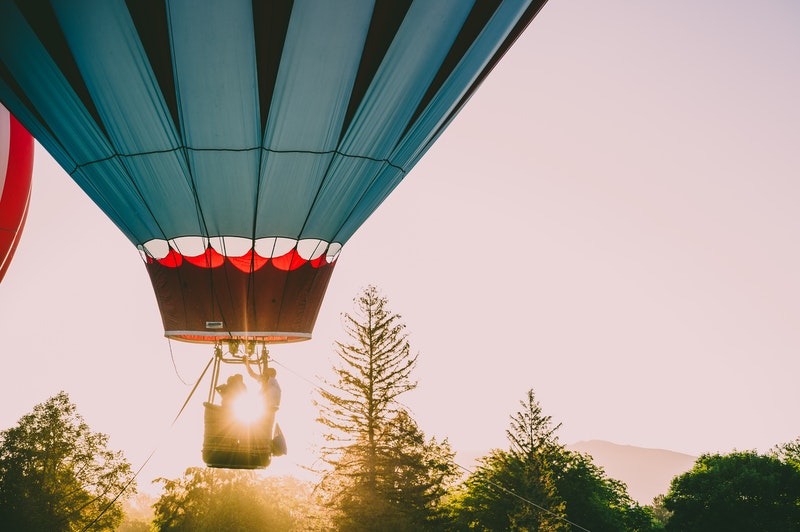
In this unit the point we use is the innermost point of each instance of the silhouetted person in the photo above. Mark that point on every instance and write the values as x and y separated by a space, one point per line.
232 389
271 391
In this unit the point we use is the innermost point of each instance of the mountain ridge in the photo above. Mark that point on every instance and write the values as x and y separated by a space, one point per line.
647 472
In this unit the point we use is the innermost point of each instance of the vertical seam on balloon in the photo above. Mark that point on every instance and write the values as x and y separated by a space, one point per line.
385 19
245 319
473 26
251 277
325 177
359 89
523 22
366 190
262 121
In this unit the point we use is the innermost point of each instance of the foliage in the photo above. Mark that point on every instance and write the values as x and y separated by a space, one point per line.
660 514
539 485
134 525
595 501
411 480
56 474
789 453
376 368
138 513
383 473
515 489
531 432
417 472
505 493
740 491
206 499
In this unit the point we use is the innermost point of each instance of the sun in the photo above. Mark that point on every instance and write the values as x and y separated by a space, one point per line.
248 407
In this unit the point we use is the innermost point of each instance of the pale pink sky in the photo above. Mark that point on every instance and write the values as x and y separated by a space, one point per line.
612 221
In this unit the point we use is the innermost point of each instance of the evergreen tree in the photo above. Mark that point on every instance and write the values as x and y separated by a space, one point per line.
532 434
515 489
383 474
419 471
538 485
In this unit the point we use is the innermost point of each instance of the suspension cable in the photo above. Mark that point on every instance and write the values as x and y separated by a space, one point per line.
174 366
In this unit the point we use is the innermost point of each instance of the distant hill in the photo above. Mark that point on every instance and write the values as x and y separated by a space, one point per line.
646 472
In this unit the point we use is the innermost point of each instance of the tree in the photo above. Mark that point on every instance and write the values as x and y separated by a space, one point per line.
504 493
789 452
138 513
56 474
595 501
740 491
383 473
417 473
660 514
539 485
206 499
515 489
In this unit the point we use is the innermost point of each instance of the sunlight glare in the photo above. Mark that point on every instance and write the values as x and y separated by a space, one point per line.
248 407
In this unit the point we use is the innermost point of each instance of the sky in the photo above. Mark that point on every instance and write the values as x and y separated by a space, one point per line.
611 221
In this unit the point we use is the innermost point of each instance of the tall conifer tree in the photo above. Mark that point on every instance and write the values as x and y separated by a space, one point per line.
382 474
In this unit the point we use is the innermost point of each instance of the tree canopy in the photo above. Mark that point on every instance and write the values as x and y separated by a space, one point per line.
789 452
56 474
740 491
206 499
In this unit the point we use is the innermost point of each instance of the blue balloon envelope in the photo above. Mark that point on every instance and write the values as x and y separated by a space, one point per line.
240 144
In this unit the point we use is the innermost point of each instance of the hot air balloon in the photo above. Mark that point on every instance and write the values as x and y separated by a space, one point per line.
16 167
240 144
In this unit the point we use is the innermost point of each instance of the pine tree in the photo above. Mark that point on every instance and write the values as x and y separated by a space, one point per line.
515 489
532 433
537 484
382 474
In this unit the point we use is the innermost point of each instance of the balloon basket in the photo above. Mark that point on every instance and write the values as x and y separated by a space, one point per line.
228 441
231 444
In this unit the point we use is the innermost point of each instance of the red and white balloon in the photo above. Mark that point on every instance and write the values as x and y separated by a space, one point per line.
16 168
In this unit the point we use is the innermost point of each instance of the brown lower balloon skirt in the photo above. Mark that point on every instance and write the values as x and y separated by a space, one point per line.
207 305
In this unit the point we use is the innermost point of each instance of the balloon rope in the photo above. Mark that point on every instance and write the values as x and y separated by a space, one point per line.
175 366
153 452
